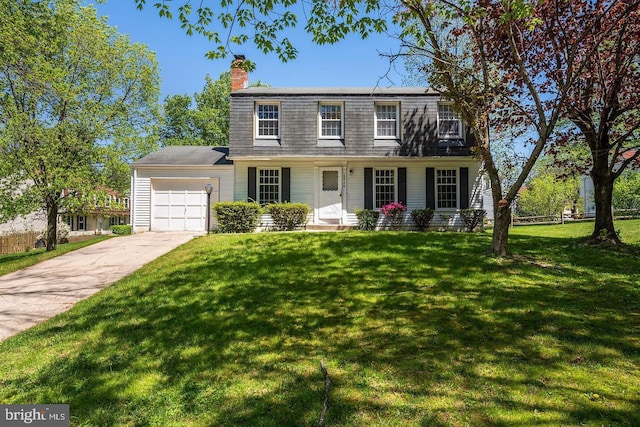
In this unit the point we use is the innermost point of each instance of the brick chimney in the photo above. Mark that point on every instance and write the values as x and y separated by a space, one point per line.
239 77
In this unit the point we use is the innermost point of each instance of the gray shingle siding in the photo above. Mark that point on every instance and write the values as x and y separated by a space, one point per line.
298 115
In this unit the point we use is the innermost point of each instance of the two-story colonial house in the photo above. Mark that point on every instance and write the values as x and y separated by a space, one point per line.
335 149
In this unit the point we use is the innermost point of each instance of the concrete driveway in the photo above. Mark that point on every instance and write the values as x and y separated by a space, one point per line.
32 295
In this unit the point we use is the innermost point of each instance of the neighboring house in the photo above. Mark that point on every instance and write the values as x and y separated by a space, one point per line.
587 188
335 149
168 187
96 219
34 221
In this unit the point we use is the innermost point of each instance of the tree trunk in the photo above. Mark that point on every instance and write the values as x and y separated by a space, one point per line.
603 229
52 225
501 222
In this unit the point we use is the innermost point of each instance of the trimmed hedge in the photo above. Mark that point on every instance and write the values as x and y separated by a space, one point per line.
288 216
367 219
422 218
121 230
237 217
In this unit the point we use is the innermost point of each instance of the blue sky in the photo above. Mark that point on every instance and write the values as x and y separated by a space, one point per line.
183 66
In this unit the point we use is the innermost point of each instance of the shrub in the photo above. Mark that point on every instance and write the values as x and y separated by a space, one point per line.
288 216
237 217
422 218
472 217
395 212
121 230
367 219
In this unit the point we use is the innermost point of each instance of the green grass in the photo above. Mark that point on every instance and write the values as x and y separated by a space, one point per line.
416 329
14 262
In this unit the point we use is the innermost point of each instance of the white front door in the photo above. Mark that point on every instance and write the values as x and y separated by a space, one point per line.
330 198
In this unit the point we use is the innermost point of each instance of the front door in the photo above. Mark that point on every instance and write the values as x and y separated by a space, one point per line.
330 200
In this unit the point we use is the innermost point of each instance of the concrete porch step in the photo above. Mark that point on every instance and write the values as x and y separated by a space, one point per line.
329 227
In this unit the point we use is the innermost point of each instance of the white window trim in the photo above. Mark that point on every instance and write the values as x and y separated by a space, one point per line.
258 183
395 186
341 105
457 188
256 120
375 120
460 124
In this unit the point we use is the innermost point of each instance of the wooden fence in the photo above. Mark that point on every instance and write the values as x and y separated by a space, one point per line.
563 218
15 243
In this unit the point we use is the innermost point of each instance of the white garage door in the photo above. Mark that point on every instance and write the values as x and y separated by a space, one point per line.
181 205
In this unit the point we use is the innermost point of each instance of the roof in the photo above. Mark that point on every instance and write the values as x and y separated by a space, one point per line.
337 91
192 155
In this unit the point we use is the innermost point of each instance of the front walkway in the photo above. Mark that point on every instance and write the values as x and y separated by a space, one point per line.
32 295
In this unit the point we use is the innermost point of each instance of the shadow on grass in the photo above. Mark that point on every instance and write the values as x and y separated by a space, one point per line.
416 329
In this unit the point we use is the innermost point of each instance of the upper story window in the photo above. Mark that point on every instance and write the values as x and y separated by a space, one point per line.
386 119
331 121
384 187
447 188
449 123
267 120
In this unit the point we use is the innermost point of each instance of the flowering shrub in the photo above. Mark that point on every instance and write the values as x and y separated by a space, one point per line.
395 212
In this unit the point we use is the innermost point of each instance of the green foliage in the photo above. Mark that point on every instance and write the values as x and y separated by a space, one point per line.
547 195
237 217
288 216
626 191
422 218
367 219
121 230
71 108
472 218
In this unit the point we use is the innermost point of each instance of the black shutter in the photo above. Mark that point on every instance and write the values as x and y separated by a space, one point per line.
464 188
286 185
368 188
402 185
251 185
431 188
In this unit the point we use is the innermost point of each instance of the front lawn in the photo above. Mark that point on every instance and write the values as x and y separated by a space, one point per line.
415 329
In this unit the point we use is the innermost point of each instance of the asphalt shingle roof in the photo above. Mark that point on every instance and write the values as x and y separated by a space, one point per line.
336 91
186 155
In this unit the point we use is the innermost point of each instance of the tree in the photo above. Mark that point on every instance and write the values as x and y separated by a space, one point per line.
604 105
208 122
626 191
74 97
547 195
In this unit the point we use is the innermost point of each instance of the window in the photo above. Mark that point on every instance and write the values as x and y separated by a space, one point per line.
384 187
449 123
330 181
447 188
268 186
387 121
331 121
69 220
82 222
126 202
267 120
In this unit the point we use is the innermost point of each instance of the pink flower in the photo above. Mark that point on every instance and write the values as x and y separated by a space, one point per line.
392 209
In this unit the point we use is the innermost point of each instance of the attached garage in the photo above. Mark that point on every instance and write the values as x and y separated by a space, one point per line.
181 205
168 187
